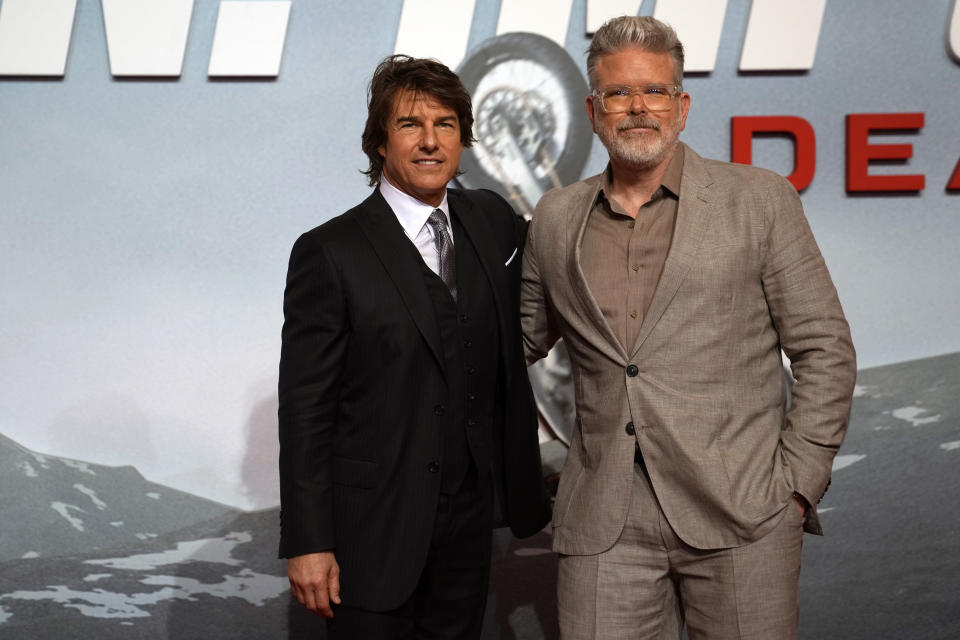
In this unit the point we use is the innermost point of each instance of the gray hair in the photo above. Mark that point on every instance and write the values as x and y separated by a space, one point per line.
643 32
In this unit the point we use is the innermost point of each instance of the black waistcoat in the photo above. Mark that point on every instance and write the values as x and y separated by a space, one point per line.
471 348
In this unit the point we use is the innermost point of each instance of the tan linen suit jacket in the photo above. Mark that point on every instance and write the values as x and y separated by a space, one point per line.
703 383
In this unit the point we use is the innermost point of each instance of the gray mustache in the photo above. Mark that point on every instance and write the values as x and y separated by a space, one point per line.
638 121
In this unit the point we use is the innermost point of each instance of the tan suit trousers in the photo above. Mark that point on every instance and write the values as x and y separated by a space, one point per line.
632 589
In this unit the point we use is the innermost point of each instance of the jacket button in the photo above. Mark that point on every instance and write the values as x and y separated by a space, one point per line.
471 370
439 410
631 431
471 422
632 370
434 467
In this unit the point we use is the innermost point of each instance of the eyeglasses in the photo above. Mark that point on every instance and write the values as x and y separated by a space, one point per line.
655 97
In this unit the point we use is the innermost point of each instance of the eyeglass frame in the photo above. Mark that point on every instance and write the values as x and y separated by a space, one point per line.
674 91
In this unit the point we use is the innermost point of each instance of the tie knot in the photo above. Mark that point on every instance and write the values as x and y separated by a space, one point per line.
437 219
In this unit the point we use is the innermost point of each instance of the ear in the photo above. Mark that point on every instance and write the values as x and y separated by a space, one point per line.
382 150
591 114
684 109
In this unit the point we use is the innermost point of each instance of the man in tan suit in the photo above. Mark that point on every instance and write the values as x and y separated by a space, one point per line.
675 281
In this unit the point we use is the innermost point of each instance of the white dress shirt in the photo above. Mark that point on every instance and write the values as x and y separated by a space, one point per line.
413 214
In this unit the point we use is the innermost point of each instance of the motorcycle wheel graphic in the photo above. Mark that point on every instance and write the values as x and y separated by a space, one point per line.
529 122
532 135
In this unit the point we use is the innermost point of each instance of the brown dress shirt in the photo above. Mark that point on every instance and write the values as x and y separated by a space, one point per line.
622 257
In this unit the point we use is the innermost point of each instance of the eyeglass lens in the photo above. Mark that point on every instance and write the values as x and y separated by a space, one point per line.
617 99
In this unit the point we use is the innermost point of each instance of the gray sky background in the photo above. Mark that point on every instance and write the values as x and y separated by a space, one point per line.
146 225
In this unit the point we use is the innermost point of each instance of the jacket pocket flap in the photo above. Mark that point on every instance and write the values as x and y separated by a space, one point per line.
354 472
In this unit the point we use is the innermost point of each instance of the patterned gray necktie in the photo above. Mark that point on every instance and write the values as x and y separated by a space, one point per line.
438 222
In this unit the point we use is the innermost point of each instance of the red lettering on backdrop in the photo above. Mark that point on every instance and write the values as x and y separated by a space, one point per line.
860 152
954 183
743 128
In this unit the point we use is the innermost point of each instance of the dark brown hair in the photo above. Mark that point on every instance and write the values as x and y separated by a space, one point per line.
423 77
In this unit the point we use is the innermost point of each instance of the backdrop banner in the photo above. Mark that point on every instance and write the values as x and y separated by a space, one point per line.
159 160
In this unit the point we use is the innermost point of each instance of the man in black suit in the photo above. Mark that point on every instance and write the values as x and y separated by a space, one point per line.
407 424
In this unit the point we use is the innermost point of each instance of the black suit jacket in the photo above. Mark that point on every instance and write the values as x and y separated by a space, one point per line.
361 370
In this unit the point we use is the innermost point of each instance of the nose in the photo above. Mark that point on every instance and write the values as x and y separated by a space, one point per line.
637 104
428 138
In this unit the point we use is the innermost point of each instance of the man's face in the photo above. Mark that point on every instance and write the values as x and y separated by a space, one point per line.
423 146
638 137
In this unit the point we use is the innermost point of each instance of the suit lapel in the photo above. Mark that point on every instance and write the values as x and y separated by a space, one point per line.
480 235
693 217
402 264
576 226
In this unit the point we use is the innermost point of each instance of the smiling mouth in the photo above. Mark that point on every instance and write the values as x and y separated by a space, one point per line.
428 161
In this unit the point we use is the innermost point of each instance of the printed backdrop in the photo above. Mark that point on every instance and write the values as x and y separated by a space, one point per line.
145 228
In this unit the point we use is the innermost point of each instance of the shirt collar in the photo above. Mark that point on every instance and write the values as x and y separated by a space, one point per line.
411 213
671 178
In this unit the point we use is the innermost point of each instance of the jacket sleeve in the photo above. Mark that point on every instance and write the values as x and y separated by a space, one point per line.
815 336
536 319
314 341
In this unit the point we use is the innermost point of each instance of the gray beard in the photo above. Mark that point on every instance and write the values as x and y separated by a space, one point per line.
633 153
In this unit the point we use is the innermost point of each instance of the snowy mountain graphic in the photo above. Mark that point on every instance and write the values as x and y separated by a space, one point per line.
92 551
56 506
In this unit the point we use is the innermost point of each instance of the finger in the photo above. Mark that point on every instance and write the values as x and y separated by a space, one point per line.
296 591
312 601
333 585
322 603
